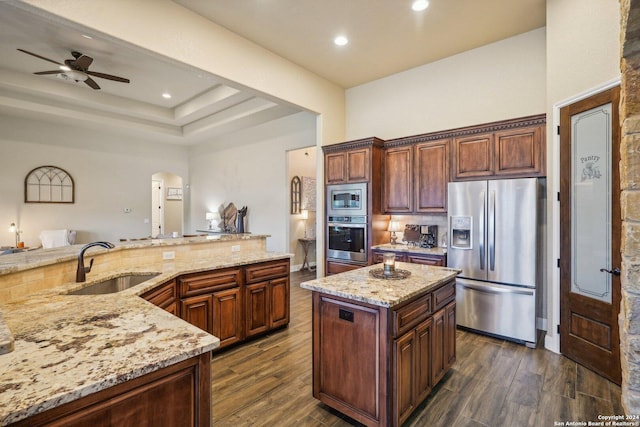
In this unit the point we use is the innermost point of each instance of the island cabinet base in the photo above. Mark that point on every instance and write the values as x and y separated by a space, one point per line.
377 364
178 395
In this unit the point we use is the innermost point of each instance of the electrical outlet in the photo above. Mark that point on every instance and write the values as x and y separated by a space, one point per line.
235 248
169 255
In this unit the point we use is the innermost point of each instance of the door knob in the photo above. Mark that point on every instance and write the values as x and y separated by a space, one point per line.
615 271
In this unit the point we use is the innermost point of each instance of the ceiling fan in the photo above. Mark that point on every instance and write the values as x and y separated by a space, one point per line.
77 69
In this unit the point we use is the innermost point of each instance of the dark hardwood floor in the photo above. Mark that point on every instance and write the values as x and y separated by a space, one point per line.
267 382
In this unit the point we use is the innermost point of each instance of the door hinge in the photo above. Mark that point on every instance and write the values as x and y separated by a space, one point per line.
558 196
558 263
558 329
558 130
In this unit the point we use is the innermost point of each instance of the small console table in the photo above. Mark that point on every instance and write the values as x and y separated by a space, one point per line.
306 243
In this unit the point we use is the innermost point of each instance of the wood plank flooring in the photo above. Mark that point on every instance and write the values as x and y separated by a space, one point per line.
267 382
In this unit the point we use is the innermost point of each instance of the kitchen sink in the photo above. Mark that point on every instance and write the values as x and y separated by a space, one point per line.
115 284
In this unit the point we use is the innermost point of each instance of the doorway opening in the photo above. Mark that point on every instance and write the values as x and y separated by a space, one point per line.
302 170
167 207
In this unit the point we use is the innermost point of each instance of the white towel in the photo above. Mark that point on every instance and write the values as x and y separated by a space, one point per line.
54 238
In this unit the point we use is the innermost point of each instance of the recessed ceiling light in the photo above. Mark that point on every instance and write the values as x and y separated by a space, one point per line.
419 5
166 95
87 37
341 40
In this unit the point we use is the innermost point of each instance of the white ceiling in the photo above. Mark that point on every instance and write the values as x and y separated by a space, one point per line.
385 37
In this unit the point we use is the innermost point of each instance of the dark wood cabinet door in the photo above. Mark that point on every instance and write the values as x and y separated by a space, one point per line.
198 311
398 180
279 302
358 165
335 168
438 343
423 333
450 331
257 308
227 316
404 355
164 296
519 152
473 156
431 176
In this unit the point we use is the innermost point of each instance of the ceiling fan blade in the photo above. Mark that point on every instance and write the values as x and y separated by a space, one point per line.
83 62
107 76
40 73
38 56
92 84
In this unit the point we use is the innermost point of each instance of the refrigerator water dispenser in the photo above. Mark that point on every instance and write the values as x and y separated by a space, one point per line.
461 232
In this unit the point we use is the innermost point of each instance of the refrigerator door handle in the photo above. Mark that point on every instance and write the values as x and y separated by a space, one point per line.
481 233
492 231
498 290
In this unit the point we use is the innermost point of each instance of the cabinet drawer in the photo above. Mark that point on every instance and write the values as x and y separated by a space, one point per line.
433 260
411 314
162 296
267 271
210 281
444 295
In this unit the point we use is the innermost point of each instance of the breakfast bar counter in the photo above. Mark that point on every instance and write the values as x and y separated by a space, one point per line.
380 345
69 348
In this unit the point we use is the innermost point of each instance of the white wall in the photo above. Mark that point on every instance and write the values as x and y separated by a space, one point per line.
249 168
499 81
583 53
110 172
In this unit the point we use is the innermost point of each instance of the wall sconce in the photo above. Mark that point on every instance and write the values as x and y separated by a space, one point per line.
14 229
305 217
393 227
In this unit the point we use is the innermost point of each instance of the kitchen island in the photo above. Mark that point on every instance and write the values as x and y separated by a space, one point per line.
380 345
112 359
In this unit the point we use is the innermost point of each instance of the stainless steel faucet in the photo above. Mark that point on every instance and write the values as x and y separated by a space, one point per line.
81 273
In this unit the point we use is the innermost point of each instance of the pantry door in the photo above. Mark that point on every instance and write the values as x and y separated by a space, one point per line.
590 226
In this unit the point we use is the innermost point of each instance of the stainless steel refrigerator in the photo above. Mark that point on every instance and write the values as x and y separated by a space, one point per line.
495 238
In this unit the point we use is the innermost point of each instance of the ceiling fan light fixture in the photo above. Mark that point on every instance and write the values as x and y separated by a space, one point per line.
65 68
75 75
419 5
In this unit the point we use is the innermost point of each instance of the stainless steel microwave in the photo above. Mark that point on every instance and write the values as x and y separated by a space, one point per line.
347 199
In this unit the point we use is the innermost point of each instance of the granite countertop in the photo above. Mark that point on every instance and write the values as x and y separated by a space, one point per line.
74 345
359 285
403 247
21 261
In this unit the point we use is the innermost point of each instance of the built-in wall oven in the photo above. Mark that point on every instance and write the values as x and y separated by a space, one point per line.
347 238
347 200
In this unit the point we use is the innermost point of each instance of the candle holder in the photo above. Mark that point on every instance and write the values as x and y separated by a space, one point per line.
389 261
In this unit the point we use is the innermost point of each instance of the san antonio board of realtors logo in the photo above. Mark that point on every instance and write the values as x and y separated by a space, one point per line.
590 168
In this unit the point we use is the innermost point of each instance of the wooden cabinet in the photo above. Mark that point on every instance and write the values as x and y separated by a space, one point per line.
412 257
398 180
335 267
510 151
431 172
416 177
267 297
219 301
178 395
347 166
413 379
164 296
376 364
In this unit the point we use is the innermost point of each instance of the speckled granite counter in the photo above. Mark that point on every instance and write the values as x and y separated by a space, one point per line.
359 285
412 250
69 346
